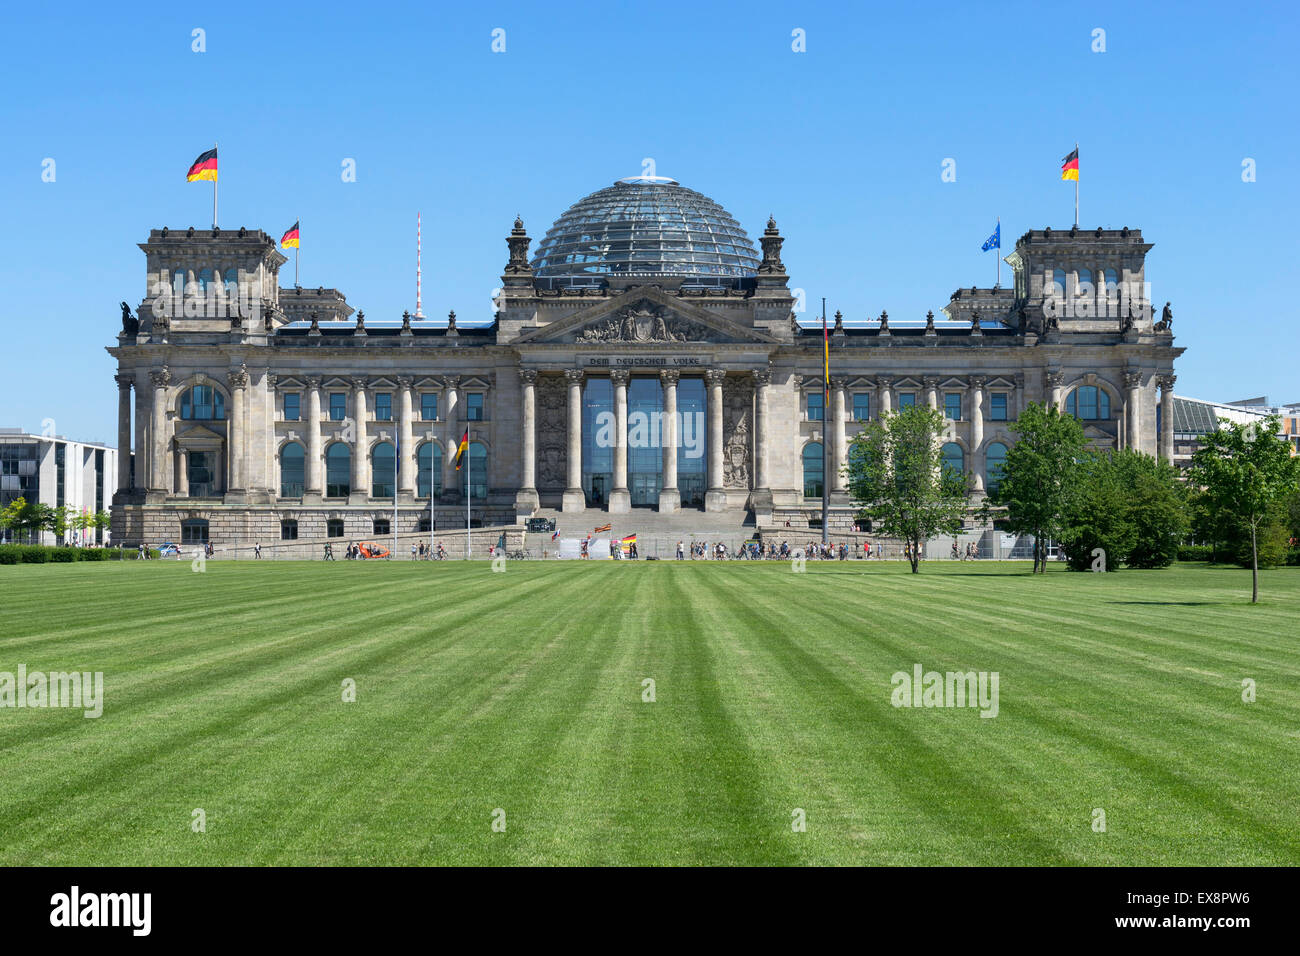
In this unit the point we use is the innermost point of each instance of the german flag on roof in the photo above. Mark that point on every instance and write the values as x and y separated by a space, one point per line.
205 167
1070 166
290 239
462 448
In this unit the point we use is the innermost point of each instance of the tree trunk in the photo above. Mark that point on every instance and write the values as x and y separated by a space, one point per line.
1254 568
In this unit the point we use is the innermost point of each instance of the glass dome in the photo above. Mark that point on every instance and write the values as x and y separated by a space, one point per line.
646 225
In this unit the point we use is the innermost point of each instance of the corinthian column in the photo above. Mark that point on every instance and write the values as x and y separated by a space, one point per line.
1055 378
158 438
236 435
451 485
527 500
124 383
360 453
977 432
315 464
620 499
670 498
405 441
1133 385
574 499
715 498
762 379
885 403
840 438
1167 417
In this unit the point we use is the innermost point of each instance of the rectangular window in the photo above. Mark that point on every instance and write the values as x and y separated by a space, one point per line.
194 531
998 406
383 406
381 526
428 407
289 530
861 406
200 468
906 400
474 407
816 407
338 406
334 527
952 405
292 406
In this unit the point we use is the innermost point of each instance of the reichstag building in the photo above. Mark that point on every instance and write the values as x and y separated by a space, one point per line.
645 356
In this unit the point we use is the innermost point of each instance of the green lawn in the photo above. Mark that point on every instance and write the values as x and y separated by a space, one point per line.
523 691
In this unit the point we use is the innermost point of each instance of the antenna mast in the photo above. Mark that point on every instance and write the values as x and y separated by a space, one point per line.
418 314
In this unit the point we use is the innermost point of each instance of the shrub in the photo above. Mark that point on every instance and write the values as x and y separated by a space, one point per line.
34 554
93 554
1195 552
63 555
9 553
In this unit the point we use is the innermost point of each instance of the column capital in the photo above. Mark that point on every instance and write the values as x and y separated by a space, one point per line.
884 381
359 383
762 377
527 376
451 382
124 381
161 377
405 381
714 376
977 381
669 376
272 381
796 380
619 376
1054 378
930 381
313 381
239 377
1166 382
1020 380
1132 378
574 376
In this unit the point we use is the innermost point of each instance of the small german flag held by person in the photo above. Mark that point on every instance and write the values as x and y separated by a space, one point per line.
205 167
630 539
462 448
290 239
1070 166
604 527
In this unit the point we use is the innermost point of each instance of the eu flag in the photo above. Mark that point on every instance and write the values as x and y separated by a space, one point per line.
994 241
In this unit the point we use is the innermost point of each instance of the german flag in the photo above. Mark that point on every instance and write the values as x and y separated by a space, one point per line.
604 527
630 539
462 448
290 239
205 167
1070 166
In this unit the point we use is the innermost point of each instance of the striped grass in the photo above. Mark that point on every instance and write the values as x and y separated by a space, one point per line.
523 692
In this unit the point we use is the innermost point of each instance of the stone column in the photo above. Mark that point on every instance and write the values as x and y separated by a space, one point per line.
451 478
977 432
670 497
124 383
159 473
237 435
142 427
527 500
931 392
1014 413
360 443
1133 385
1055 378
574 499
405 441
884 401
620 499
762 379
182 473
1167 417
315 454
715 498
836 476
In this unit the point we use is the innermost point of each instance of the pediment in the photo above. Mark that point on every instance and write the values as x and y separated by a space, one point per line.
643 316
198 433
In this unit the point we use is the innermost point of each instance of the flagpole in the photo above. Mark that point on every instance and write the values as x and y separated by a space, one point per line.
296 251
397 458
826 447
998 255
469 464
214 192
1076 186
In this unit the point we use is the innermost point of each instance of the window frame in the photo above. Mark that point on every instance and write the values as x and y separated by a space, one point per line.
285 400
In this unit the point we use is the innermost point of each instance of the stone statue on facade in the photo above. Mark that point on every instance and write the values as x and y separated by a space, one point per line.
1166 323
130 324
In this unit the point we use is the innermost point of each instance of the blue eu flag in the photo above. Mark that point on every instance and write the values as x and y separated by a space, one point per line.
994 241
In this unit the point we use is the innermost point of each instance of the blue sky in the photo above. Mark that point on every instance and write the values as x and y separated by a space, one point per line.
844 144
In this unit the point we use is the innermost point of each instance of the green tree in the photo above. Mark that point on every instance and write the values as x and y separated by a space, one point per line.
100 521
1097 523
1157 508
897 478
1246 472
1040 476
27 517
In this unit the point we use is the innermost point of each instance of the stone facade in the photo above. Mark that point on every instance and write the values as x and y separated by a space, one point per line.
300 378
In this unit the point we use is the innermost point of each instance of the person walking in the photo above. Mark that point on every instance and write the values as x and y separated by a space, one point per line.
257 551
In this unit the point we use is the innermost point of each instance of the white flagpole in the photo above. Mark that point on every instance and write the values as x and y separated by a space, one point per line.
998 255
396 465
469 459
1076 187
214 189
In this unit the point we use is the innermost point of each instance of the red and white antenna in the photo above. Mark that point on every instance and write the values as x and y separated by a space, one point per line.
418 313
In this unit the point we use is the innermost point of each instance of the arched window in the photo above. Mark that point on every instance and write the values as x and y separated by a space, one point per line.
383 461
178 282
1058 281
230 281
812 470
954 459
1085 292
1112 281
1085 279
202 403
338 471
995 459
205 279
293 461
428 472
1088 403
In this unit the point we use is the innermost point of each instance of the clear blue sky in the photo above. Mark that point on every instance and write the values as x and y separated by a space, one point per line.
843 144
